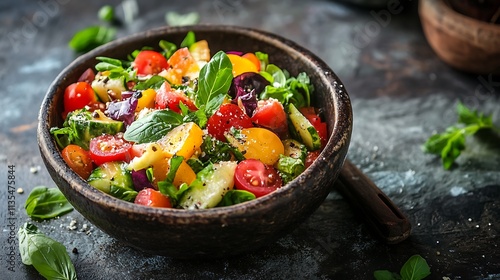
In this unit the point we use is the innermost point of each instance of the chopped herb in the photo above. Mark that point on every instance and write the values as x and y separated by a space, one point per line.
106 13
176 19
451 143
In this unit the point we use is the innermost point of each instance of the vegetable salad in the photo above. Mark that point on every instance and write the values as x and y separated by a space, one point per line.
184 129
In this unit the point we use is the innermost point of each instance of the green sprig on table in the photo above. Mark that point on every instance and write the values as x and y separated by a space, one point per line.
415 268
450 143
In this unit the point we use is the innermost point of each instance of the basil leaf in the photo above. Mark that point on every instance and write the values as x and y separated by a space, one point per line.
154 82
416 268
386 275
215 79
233 197
106 13
91 37
152 127
48 256
46 203
289 168
279 78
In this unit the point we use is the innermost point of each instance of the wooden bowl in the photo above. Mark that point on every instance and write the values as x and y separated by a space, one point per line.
463 42
217 232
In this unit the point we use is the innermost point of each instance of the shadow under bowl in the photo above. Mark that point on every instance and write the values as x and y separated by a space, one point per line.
217 232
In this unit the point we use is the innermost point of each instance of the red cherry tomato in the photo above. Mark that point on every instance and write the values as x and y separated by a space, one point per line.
149 62
78 160
87 76
153 198
256 177
77 96
271 115
315 120
311 157
167 97
227 116
106 148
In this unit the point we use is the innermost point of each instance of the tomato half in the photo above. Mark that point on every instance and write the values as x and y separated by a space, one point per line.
149 62
271 115
315 120
77 96
153 198
78 160
167 97
106 148
228 115
254 176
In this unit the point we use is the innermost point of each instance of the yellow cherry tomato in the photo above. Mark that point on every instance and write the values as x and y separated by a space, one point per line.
259 143
241 65
147 100
183 140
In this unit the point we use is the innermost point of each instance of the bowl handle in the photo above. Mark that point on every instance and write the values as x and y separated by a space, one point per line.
378 209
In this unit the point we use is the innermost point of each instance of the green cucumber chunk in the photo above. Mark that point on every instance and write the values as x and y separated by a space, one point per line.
305 130
210 186
115 179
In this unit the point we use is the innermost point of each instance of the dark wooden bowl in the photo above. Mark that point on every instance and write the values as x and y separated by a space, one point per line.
463 42
217 232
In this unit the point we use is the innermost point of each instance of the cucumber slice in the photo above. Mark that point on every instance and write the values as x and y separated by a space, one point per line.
113 178
305 130
210 186
295 149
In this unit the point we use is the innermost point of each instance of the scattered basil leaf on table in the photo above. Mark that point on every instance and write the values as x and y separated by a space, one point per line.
450 143
106 13
415 268
48 256
91 37
46 203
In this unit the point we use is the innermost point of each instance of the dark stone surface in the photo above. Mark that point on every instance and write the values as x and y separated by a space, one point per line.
401 93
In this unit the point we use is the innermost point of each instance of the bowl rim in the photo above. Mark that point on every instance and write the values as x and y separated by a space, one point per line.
339 134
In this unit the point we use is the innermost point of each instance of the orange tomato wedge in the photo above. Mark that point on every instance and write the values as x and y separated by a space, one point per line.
241 65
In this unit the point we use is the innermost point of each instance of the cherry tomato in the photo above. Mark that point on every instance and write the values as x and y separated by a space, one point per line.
228 115
153 198
149 62
311 157
77 96
271 115
78 160
167 97
241 65
315 120
253 58
106 148
87 76
254 176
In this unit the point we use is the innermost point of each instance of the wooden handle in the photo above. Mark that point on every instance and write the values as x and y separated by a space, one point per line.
382 214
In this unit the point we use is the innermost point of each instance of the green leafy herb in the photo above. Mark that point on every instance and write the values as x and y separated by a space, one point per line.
415 268
188 40
91 37
106 13
117 68
289 168
153 126
167 187
286 89
450 143
48 256
263 58
214 80
168 48
154 82
175 19
233 197
46 203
